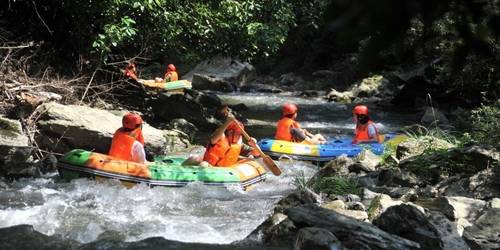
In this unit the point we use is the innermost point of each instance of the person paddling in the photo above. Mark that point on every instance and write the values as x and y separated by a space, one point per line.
128 141
288 129
365 130
226 143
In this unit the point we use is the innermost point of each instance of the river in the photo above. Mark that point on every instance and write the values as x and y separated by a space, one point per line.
84 210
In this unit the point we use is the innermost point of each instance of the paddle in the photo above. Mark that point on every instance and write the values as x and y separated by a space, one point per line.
271 165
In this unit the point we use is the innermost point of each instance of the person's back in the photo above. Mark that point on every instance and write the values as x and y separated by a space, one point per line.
128 141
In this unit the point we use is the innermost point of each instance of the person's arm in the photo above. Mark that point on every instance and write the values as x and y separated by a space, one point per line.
219 132
298 134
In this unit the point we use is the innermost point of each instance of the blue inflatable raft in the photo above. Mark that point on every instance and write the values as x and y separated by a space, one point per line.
325 152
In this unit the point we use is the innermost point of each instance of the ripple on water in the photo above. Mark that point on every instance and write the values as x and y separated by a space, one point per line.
85 210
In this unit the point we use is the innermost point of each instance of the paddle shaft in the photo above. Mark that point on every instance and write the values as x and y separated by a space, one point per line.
267 160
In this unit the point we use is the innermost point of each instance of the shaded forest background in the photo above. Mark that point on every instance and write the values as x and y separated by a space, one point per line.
455 42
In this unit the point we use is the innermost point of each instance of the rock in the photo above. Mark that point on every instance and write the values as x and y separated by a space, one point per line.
379 204
395 192
494 203
484 233
355 214
184 126
416 146
15 151
336 204
369 86
222 69
338 166
340 97
459 207
239 107
316 238
483 185
295 199
205 82
195 107
396 176
353 234
432 116
411 222
66 127
355 206
290 79
261 88
25 237
367 161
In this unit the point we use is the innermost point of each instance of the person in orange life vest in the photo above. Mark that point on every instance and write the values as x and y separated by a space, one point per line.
130 71
288 129
365 130
128 141
170 76
226 143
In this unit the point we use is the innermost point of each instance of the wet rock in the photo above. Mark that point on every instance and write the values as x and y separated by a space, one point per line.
295 199
182 125
65 127
352 234
416 146
239 107
225 69
261 88
206 82
432 116
316 238
25 237
411 222
459 207
15 151
291 79
309 93
340 97
484 233
338 166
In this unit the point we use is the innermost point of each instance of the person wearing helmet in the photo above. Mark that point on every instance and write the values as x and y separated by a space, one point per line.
171 74
226 143
365 130
288 129
128 141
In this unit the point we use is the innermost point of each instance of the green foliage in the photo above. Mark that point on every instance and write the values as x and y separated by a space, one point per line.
300 181
485 123
337 185
374 207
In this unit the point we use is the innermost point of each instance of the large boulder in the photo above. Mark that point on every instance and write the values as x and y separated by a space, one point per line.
484 233
206 82
459 207
66 127
352 233
316 238
483 185
411 222
15 150
221 72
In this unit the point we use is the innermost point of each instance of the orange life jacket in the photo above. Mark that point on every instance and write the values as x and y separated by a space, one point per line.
172 75
362 132
121 145
283 129
223 153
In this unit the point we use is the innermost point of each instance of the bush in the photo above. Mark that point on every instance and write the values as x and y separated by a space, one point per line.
337 185
485 123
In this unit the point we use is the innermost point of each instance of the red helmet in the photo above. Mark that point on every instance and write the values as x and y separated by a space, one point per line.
171 67
360 110
131 120
289 109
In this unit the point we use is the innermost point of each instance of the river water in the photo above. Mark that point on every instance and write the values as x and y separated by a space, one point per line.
85 210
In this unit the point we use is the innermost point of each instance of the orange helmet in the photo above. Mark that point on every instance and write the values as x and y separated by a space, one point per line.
131 120
360 110
171 67
289 109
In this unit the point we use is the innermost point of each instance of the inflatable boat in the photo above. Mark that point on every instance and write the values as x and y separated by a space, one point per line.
174 86
165 171
325 152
